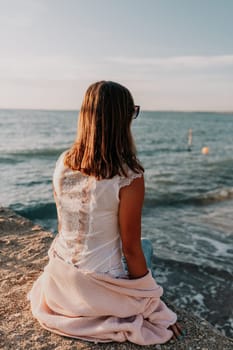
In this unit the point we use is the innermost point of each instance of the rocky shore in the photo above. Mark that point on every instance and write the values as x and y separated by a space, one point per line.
23 255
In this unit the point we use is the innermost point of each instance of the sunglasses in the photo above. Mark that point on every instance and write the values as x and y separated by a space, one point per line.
136 111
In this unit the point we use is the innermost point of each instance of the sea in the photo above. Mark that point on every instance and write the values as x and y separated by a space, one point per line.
188 208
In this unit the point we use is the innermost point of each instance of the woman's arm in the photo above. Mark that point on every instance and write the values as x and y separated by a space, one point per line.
130 209
131 202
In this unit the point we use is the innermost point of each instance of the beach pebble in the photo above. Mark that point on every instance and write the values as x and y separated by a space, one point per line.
36 227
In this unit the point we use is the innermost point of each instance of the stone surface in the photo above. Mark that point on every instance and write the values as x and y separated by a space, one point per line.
23 255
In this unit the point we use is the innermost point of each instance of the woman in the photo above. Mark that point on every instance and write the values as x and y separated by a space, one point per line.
85 291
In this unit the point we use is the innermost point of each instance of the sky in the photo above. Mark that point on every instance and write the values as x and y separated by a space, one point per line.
171 54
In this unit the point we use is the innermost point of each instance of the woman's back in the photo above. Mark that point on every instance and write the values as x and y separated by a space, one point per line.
88 219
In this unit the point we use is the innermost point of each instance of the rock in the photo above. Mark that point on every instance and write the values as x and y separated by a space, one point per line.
24 247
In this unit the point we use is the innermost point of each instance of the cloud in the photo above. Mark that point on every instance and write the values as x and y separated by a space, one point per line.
68 67
193 62
21 14
59 81
56 67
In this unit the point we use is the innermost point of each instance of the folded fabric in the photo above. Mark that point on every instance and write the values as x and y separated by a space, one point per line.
97 307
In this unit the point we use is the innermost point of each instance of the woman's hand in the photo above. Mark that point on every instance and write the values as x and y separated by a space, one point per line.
178 333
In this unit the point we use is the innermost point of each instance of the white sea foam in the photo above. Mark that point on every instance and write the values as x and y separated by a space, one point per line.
221 249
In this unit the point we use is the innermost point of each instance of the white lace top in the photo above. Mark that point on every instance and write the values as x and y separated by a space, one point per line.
87 210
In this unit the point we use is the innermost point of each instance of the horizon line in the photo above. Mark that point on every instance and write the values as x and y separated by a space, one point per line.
143 110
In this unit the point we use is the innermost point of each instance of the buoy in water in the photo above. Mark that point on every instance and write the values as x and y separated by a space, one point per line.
190 139
205 150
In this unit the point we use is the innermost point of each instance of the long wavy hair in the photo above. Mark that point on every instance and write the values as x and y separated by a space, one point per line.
104 144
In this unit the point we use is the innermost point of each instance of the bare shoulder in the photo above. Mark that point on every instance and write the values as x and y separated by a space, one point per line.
132 196
137 185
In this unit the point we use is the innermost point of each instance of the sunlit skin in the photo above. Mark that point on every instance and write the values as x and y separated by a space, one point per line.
130 213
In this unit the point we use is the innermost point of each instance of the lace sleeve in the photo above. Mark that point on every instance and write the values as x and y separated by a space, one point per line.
60 159
57 171
126 181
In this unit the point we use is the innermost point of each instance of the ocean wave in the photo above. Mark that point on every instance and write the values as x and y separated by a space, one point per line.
194 267
48 210
34 183
9 161
211 197
161 150
37 211
220 195
27 153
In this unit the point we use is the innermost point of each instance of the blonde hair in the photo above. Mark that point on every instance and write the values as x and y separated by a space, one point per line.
104 143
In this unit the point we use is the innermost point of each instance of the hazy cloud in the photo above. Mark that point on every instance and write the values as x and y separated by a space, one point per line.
57 67
175 61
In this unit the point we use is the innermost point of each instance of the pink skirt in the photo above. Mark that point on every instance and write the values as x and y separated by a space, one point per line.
99 308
